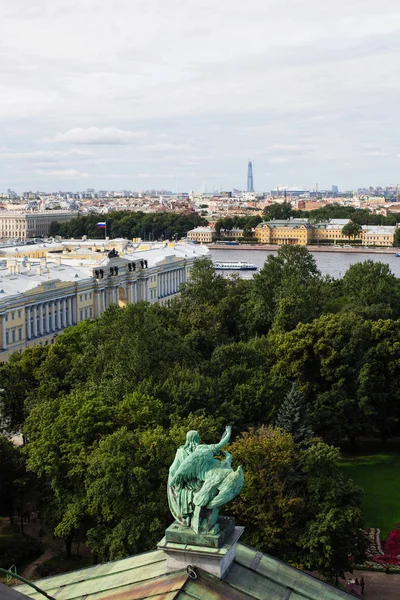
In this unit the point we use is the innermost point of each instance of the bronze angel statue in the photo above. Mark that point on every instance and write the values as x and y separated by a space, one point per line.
199 483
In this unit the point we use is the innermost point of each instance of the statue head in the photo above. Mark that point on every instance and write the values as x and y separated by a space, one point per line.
192 440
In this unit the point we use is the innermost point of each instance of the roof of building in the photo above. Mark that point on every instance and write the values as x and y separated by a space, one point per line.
202 230
294 223
379 229
34 272
253 575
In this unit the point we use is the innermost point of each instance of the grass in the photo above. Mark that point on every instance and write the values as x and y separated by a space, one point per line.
378 473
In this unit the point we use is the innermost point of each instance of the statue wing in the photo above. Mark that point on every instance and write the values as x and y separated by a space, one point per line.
229 488
194 466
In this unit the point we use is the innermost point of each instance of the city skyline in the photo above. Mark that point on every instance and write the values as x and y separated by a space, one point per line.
172 96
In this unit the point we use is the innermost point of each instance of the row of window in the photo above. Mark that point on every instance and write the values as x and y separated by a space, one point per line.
13 313
14 335
87 312
85 296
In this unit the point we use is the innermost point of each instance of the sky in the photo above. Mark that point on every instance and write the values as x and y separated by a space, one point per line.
180 94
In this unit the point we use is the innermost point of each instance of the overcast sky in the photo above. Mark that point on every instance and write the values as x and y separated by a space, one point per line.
122 94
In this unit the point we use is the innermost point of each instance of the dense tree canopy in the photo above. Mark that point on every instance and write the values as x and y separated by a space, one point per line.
148 226
105 407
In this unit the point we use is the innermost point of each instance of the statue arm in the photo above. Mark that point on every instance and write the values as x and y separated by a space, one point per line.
224 440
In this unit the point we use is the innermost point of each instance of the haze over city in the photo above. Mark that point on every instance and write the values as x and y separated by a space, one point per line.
179 95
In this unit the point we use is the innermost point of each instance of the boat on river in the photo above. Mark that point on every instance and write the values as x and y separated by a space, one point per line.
239 265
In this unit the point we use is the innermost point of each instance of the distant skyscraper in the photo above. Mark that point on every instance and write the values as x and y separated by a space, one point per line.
250 181
335 189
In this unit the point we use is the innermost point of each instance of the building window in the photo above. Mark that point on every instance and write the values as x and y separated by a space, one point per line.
13 315
19 314
85 296
91 313
20 333
13 336
81 314
6 316
7 338
80 297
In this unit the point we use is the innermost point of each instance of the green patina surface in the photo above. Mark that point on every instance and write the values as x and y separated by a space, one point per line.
178 534
253 575
199 484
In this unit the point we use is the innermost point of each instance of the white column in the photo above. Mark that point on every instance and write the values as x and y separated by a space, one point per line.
74 309
98 303
53 315
58 314
35 321
41 331
69 310
64 314
130 293
28 323
47 318
4 325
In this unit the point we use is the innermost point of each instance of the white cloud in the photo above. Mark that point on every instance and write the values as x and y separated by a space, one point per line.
98 135
156 82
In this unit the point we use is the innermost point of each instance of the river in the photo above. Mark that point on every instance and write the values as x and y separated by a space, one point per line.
329 263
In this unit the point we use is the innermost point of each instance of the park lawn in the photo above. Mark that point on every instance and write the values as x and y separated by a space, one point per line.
378 473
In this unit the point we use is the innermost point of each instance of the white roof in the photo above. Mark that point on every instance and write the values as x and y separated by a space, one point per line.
379 229
202 229
72 270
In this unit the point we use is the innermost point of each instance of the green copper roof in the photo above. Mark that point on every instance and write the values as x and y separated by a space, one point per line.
253 575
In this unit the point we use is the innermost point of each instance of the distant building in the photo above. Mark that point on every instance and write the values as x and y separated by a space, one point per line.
26 225
378 235
335 189
250 179
232 234
290 231
202 235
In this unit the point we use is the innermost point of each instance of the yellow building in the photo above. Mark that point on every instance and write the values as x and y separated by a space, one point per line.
331 231
290 231
378 235
202 235
39 298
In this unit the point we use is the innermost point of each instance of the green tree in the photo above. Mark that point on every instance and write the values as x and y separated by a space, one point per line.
293 416
19 379
333 531
287 290
282 210
13 476
297 505
352 229
372 285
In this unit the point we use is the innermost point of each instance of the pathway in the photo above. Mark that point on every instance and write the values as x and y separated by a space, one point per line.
29 570
378 586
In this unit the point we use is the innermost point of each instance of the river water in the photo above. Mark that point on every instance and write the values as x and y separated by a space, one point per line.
329 263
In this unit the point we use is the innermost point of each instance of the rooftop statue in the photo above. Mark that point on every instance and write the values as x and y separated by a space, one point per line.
199 483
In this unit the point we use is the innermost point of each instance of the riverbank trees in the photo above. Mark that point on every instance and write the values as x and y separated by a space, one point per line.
148 226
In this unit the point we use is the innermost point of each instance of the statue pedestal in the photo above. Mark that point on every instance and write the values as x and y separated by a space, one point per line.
178 534
192 550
